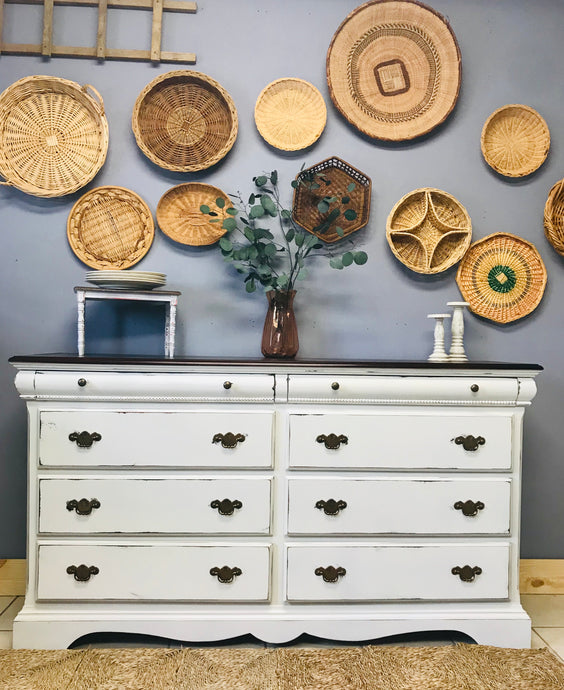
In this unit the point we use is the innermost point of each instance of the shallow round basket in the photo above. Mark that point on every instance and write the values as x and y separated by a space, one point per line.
554 217
184 121
502 277
394 69
179 215
515 140
53 135
110 227
429 230
290 114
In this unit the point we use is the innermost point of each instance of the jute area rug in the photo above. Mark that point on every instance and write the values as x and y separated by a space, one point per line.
457 667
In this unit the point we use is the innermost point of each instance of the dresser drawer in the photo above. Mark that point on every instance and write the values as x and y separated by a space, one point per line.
400 441
125 386
371 573
174 506
398 506
153 572
155 439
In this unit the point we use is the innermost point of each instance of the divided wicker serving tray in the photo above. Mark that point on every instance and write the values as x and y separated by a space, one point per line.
502 277
53 135
515 140
184 121
394 69
110 227
179 215
340 175
429 230
290 114
554 217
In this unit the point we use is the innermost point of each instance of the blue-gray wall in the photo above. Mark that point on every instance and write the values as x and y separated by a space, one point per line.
512 52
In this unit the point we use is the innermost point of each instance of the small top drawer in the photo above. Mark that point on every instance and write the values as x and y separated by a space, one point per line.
90 438
174 387
401 441
402 389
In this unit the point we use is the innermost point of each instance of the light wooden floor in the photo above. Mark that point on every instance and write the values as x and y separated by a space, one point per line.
546 611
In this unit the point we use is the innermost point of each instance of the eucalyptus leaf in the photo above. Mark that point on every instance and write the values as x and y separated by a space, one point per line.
351 187
232 211
345 199
204 208
261 180
274 177
360 258
250 234
290 235
350 214
229 224
285 213
347 258
257 211
299 239
250 286
336 262
322 206
225 244
220 203
340 232
270 249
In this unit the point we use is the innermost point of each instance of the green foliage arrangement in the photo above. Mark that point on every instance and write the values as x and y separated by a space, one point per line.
278 261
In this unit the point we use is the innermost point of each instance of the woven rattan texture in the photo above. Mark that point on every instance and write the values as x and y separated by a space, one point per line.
184 121
341 175
429 230
53 135
502 277
179 215
554 217
394 69
515 140
290 114
110 227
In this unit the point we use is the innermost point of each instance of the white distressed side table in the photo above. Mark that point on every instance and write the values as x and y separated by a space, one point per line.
169 298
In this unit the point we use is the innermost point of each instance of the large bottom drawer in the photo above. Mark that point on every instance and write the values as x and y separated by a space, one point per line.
153 572
372 573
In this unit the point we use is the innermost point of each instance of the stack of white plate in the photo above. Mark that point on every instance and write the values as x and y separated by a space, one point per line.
127 280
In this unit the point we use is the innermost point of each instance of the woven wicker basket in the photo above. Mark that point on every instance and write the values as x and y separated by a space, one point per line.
110 227
428 230
179 215
184 121
394 69
53 135
502 277
340 174
290 114
515 140
554 217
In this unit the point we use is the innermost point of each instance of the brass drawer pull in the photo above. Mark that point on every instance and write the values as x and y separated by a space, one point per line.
469 508
84 506
332 441
82 382
335 385
331 506
226 574
470 442
228 440
82 572
84 439
227 385
474 388
467 573
226 507
330 573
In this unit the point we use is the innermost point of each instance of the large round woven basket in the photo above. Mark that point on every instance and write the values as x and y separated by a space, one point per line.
290 114
394 69
53 135
184 121
554 217
515 140
179 215
429 230
110 227
502 277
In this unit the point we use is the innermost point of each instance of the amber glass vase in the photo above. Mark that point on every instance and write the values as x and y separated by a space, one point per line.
280 333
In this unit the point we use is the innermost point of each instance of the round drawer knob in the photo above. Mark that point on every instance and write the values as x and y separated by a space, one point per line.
474 388
227 385
335 386
82 382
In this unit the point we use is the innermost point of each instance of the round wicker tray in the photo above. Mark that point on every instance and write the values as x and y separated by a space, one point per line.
110 227
184 121
179 215
290 114
428 230
515 140
502 277
394 69
339 175
53 135
554 217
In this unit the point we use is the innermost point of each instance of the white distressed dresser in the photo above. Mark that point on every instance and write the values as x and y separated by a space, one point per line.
204 500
